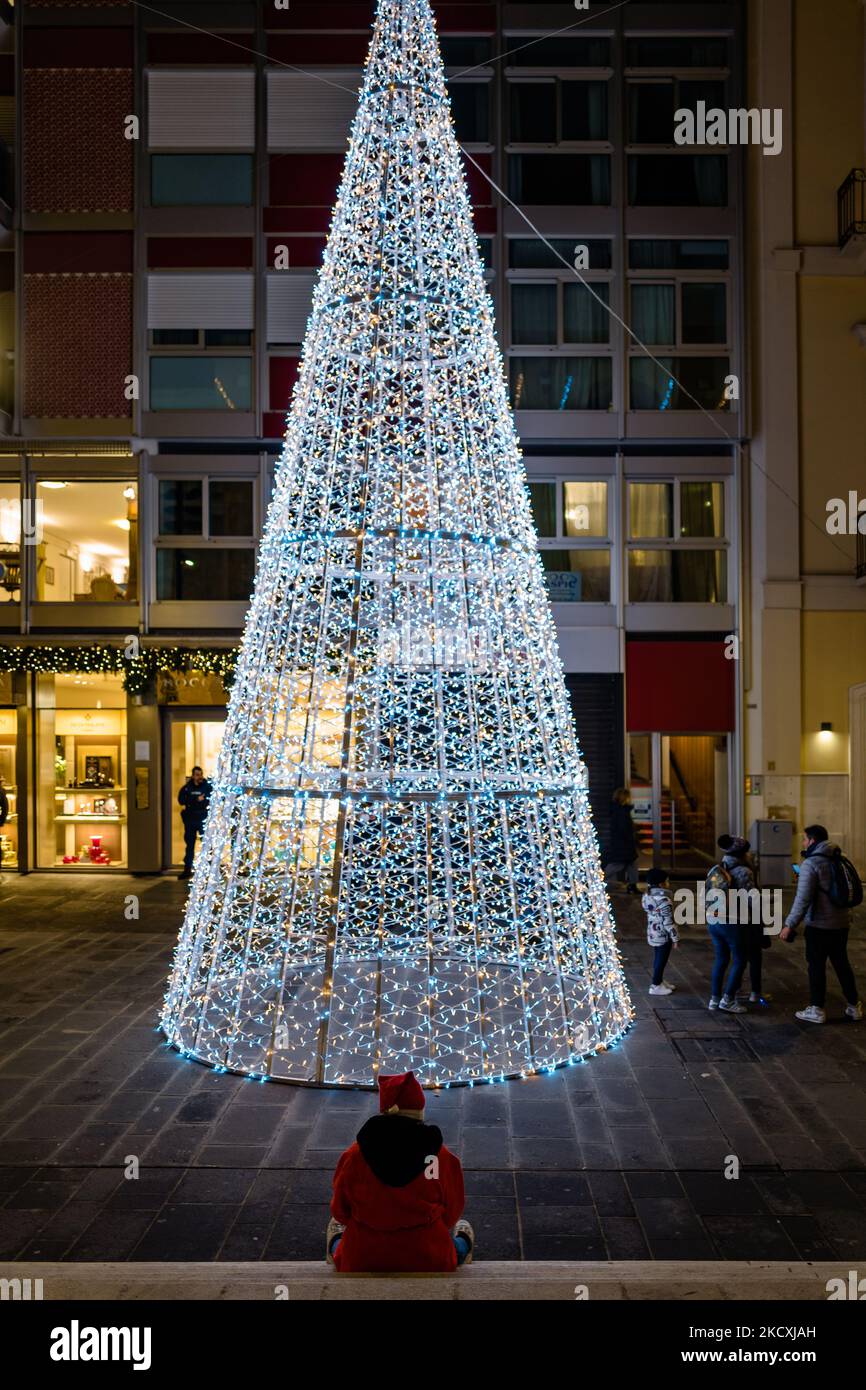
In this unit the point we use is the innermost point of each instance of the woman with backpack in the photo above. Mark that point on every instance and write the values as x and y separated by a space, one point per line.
731 937
828 887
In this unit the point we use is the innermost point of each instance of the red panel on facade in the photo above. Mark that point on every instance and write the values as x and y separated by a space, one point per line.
77 345
273 424
76 252
305 252
193 253
75 156
452 17
480 191
78 48
485 221
679 687
282 375
319 48
282 220
323 14
305 180
201 48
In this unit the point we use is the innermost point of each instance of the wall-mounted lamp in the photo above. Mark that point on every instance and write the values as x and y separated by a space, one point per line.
826 727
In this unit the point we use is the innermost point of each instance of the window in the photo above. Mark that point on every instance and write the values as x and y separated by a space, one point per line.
10 542
671 314
201 337
644 254
678 383
675 52
561 383
201 180
571 519
651 106
460 52
182 503
670 523
470 107
204 575
559 313
527 52
192 514
678 180
200 383
87 541
550 112
567 179
529 253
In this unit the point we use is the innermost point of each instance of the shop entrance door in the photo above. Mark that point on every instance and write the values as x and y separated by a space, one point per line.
192 735
679 790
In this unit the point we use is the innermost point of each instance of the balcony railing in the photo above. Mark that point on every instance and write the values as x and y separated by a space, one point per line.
861 556
851 205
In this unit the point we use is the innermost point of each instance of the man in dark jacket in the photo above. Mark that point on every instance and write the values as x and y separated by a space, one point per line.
398 1193
621 858
194 797
827 927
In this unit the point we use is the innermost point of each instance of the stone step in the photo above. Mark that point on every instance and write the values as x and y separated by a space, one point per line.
562 1280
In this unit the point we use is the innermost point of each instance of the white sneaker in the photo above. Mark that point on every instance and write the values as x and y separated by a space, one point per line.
811 1015
730 1006
854 1010
465 1230
661 989
714 1003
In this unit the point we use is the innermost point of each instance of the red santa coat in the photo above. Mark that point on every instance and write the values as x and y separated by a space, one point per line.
398 1191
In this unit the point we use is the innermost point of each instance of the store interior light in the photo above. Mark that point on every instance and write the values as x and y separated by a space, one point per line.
129 494
826 729
53 483
122 522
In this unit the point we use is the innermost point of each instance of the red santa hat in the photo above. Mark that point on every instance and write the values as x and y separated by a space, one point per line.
400 1093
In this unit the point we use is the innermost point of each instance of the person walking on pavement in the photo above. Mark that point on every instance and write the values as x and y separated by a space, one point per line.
738 863
194 797
622 854
827 927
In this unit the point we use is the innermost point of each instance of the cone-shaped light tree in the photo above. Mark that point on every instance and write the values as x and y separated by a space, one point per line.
399 869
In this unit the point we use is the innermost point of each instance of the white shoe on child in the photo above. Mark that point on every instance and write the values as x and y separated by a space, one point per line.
661 989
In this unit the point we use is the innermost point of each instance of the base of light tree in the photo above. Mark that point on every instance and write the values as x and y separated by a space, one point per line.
382 1019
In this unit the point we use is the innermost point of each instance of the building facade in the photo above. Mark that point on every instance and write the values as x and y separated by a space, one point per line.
169 184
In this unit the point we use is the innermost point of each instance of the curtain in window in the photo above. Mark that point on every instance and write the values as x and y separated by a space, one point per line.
533 314
585 320
711 181
699 576
561 383
651 387
651 509
649 576
653 313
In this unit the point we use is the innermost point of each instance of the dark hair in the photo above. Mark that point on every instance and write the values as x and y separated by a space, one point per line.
197 768
656 877
621 797
818 833
733 844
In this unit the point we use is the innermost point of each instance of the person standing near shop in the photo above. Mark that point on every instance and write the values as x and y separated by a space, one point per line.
620 861
194 797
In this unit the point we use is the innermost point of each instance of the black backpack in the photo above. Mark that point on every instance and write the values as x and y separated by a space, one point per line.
845 889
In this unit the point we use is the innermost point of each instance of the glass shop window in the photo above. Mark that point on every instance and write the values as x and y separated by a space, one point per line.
10 542
201 180
561 383
559 179
86 549
201 383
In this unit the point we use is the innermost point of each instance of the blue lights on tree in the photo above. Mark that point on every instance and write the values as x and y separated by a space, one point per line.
399 869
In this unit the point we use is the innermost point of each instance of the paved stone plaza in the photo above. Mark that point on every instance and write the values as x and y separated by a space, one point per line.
619 1159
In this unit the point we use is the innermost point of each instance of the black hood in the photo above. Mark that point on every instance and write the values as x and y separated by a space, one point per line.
397 1148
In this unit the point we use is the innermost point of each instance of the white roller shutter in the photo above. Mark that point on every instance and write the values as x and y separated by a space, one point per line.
200 301
289 302
305 113
201 110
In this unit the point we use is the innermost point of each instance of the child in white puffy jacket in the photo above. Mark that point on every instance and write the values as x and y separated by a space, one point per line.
661 933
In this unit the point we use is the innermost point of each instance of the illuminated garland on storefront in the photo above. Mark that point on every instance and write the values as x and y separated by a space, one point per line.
139 671
399 867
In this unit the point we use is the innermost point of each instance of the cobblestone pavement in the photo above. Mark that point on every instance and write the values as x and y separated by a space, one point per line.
622 1158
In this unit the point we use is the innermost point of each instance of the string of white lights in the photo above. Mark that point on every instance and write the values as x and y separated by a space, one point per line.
399 868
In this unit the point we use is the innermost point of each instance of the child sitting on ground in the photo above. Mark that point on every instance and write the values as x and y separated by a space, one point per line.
398 1192
660 930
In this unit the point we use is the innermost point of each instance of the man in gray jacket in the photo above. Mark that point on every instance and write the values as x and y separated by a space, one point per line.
827 927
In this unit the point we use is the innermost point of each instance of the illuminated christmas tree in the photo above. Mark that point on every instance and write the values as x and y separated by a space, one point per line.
399 869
